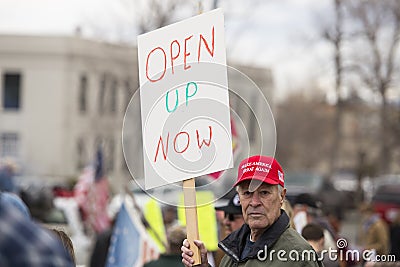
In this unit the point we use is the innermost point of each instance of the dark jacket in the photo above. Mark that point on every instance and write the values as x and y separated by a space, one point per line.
166 260
283 245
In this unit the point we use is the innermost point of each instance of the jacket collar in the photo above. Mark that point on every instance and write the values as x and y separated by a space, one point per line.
234 243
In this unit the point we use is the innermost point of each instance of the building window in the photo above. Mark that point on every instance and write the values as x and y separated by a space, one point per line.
11 91
83 92
102 93
113 98
80 151
9 146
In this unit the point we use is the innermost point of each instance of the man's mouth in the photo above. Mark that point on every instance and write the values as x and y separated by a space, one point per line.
255 214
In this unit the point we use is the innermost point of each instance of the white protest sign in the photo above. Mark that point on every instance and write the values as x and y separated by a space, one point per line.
184 100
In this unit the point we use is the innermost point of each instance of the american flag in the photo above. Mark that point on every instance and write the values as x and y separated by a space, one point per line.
130 244
92 195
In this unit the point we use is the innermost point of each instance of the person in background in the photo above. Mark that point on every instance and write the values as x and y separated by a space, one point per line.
374 232
289 211
335 219
232 221
314 234
67 243
98 258
170 216
172 258
307 210
233 218
7 171
260 185
395 237
15 201
24 243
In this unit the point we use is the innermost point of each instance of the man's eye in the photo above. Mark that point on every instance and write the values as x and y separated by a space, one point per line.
246 194
264 193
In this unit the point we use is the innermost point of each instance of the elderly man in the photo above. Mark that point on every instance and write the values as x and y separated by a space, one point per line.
265 238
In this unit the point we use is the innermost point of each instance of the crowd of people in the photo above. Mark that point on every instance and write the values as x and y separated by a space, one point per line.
257 226
266 221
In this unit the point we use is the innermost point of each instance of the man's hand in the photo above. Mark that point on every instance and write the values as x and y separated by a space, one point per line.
187 254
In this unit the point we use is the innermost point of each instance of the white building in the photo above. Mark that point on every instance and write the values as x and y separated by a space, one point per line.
61 97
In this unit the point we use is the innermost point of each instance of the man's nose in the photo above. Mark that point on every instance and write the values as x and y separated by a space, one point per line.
255 199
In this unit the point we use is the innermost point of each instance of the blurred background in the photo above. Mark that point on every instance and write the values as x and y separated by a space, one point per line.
328 69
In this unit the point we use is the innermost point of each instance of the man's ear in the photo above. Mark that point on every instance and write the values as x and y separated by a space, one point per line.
283 195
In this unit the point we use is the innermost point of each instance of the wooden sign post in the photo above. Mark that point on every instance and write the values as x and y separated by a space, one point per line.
192 229
184 103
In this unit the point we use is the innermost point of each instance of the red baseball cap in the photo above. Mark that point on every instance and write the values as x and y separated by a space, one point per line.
262 168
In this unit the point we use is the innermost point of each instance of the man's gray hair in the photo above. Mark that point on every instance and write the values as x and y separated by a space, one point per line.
280 189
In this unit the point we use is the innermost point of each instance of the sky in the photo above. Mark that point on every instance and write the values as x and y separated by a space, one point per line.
282 35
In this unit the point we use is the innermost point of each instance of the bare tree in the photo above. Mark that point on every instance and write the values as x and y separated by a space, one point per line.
154 14
378 25
128 18
334 36
304 127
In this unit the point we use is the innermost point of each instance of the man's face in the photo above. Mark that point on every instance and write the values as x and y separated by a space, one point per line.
260 208
232 222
